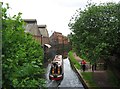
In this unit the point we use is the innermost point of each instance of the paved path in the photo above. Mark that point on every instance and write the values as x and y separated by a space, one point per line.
100 77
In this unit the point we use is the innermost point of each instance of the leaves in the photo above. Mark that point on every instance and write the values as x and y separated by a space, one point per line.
23 56
96 31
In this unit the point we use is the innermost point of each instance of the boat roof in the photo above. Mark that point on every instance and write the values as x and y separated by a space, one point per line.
58 59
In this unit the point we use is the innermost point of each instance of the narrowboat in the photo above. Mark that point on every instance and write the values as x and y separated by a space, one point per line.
57 68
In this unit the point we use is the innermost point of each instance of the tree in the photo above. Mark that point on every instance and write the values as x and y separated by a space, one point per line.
22 56
96 31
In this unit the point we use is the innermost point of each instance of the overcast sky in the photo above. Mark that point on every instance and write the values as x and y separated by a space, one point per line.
54 13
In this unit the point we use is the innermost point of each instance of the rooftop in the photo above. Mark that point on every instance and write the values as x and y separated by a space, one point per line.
30 20
41 26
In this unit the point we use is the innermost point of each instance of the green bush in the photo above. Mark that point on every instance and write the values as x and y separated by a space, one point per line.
22 56
73 60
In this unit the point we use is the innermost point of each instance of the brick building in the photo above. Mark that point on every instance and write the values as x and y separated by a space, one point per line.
60 43
56 38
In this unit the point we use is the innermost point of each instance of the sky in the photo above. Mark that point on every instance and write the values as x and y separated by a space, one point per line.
56 14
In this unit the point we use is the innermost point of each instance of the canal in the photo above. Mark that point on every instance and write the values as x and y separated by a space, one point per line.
70 79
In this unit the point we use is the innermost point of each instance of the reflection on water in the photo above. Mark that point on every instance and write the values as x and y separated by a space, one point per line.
70 78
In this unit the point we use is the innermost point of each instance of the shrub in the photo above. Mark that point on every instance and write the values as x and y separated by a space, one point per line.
22 55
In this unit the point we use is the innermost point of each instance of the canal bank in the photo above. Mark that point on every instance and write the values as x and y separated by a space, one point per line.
79 75
97 79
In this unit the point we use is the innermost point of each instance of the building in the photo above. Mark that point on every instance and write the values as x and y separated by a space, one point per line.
60 44
65 40
56 38
44 33
39 32
32 28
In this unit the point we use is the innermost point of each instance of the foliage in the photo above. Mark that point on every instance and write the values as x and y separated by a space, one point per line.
22 55
96 31
73 60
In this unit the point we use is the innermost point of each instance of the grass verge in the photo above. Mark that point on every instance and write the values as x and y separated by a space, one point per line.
73 60
88 77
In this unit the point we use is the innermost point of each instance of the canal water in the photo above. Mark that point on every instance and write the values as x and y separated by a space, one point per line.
70 79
